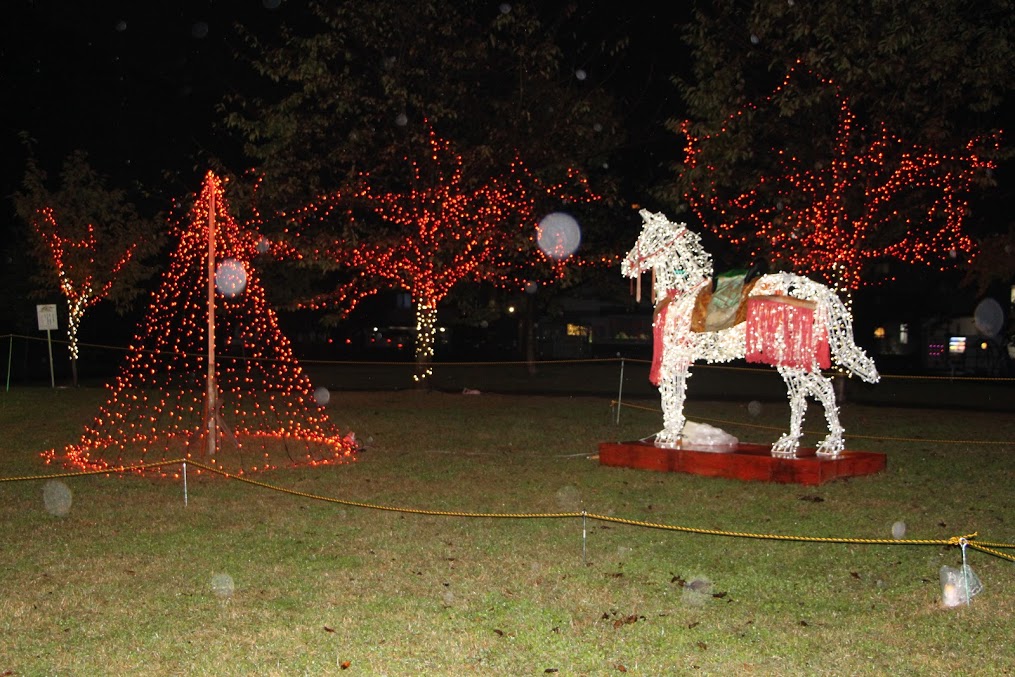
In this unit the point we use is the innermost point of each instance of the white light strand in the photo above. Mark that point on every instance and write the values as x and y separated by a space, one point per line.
682 268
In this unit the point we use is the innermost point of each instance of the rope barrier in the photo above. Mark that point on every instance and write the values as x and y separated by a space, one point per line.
988 547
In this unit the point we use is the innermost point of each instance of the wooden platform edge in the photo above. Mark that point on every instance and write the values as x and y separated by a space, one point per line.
750 462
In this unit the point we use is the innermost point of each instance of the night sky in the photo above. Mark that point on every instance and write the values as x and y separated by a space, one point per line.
136 83
133 83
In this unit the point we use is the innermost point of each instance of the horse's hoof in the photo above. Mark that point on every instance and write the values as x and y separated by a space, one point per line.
831 448
665 440
786 447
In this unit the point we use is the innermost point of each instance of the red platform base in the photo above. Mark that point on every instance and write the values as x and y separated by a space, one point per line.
746 462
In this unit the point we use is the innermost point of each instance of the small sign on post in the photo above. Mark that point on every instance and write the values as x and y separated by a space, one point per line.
47 317
47 322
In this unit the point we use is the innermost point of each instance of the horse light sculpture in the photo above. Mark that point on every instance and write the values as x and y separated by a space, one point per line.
788 321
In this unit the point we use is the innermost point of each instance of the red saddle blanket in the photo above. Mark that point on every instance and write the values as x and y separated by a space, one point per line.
781 332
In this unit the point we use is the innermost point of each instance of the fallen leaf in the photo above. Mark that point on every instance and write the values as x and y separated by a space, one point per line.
500 633
804 624
627 620
702 646
548 671
327 629
345 665
854 575
812 499
621 668
678 580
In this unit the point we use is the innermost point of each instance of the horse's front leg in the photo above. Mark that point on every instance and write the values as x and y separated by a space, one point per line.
795 379
672 392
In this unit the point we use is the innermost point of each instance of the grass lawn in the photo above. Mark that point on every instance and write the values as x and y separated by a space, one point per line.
245 580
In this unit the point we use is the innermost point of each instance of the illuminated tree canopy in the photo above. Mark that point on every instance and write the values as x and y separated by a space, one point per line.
863 132
936 71
873 198
436 233
346 92
89 238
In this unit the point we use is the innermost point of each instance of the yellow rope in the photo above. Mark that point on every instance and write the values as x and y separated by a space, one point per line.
968 539
106 471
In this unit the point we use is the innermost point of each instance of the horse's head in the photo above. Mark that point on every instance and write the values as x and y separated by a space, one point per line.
672 252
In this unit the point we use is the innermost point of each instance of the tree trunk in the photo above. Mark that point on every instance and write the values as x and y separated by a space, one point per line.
426 335
530 333
73 322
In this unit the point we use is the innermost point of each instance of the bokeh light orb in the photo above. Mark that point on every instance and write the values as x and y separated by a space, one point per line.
754 408
558 235
222 585
696 591
230 278
899 530
57 497
263 246
569 498
322 396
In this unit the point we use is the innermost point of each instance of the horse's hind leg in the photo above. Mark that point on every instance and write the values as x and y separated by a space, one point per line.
796 384
672 392
833 444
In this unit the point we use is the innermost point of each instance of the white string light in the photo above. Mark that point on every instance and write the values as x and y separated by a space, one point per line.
682 268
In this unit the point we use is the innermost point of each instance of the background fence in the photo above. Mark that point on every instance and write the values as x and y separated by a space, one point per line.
28 365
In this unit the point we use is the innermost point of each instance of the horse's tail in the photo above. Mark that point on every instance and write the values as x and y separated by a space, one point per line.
840 338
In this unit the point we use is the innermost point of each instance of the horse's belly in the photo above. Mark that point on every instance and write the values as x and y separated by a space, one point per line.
721 346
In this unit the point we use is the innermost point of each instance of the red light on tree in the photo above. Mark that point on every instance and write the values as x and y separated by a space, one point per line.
264 408
89 236
869 199
438 233
77 272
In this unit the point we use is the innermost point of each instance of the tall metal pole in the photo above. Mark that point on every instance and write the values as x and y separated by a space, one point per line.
49 342
620 390
10 356
211 402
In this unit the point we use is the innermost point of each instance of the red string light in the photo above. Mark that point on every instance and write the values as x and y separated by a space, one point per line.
79 276
156 405
830 219
442 232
